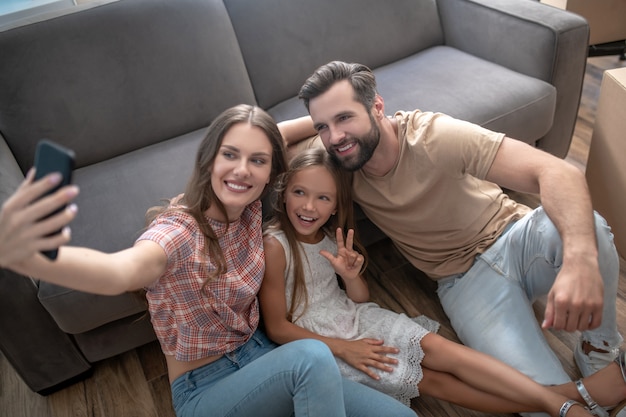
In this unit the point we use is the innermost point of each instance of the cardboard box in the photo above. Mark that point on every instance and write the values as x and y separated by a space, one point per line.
606 18
606 166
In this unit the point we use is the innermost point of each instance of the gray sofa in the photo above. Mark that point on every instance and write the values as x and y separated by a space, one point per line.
131 85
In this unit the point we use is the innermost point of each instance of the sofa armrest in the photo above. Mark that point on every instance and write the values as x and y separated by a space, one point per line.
531 38
45 357
10 174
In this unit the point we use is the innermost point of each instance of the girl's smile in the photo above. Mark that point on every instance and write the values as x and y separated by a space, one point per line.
310 200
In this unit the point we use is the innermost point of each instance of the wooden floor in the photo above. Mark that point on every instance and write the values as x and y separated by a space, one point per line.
135 384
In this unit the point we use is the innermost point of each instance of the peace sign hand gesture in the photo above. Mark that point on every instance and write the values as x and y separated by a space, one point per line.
348 262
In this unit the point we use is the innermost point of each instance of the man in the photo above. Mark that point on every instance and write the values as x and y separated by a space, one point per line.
429 182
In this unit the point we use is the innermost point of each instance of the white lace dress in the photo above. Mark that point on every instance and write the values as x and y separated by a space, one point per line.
331 313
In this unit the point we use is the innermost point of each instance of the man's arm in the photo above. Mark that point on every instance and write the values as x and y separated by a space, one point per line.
296 130
576 298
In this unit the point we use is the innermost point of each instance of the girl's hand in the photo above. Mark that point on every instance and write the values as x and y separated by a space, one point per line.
367 355
22 232
348 262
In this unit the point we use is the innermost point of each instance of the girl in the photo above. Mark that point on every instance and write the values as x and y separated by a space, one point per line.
300 298
201 262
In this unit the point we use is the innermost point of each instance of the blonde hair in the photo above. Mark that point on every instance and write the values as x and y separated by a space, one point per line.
343 218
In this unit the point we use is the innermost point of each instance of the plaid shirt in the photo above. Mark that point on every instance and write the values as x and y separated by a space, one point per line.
192 323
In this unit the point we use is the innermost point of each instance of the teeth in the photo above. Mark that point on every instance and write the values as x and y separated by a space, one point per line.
306 219
237 187
345 148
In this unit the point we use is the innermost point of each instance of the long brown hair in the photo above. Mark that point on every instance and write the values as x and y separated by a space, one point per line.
343 218
199 194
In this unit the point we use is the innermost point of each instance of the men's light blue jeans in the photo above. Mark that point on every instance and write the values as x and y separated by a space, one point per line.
490 306
259 379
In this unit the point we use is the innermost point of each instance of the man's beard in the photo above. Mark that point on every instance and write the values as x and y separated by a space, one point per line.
366 146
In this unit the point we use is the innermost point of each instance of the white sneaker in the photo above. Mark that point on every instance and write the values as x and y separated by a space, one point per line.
594 361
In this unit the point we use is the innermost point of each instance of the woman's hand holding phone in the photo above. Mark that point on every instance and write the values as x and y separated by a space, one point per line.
35 218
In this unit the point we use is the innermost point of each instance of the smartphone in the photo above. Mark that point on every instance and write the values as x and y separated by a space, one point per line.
52 157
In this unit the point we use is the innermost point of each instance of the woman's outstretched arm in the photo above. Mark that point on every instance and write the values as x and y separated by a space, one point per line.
23 235
97 272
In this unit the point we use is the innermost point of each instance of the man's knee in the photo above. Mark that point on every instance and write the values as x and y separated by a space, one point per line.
603 233
607 253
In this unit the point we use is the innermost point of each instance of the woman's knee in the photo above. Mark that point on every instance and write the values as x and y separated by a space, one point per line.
314 349
310 353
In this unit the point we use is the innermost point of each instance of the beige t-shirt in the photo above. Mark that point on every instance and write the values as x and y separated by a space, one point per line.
434 203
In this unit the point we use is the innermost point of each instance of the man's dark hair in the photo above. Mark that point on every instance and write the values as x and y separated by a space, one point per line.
361 77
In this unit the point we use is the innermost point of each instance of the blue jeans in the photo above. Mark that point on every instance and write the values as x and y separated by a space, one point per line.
260 379
490 306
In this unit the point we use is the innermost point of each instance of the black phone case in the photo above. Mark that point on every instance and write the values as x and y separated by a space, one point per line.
52 157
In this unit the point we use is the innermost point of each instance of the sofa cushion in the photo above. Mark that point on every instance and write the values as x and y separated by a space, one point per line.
475 90
114 197
77 312
300 35
521 106
105 341
118 77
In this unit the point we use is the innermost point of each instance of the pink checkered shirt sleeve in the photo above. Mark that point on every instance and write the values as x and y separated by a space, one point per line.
192 322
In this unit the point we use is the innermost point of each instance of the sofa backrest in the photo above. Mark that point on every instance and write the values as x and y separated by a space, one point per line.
371 32
110 79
